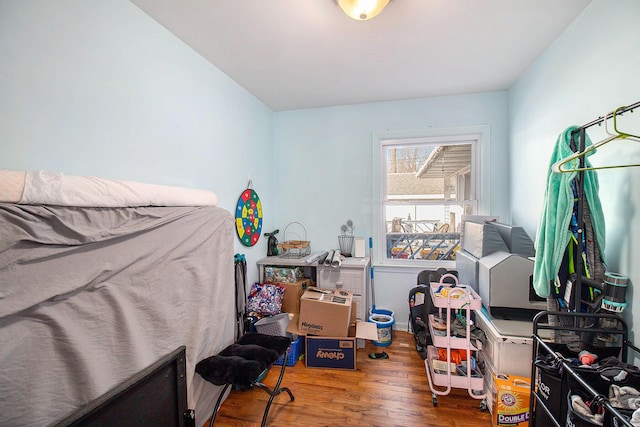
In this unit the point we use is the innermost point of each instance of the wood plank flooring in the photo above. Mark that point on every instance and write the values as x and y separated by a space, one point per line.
380 392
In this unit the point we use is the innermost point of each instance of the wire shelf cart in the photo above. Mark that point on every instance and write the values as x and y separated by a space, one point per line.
603 334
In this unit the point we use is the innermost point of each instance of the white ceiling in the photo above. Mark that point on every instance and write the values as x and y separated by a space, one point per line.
294 54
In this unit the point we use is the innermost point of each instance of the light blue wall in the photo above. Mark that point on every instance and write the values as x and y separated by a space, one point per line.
323 157
590 70
99 88
324 175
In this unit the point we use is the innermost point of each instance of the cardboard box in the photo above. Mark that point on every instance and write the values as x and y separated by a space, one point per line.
292 294
338 352
325 312
335 352
511 400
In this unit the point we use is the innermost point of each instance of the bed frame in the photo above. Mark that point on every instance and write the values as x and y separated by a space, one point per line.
156 396
91 296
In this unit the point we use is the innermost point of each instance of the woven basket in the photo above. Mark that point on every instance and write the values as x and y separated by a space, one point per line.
295 248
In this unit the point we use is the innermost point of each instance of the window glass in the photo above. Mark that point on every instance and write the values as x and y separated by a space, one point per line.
426 186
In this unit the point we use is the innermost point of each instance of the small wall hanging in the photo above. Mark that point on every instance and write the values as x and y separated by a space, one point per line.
249 216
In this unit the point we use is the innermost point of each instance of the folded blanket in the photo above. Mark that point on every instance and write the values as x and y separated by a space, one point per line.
11 185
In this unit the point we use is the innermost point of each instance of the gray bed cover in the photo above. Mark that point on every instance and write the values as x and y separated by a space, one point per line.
90 296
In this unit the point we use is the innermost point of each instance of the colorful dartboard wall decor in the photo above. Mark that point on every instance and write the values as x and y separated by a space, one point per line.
249 217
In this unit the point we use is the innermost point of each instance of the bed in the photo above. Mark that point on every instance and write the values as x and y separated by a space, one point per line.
98 280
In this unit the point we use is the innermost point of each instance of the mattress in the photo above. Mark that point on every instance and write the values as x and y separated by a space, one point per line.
52 188
89 296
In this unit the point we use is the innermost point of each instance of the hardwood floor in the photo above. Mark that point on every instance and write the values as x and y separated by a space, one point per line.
380 392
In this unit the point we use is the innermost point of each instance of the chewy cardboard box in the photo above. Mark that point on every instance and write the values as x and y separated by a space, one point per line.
325 312
335 352
338 352
292 294
511 400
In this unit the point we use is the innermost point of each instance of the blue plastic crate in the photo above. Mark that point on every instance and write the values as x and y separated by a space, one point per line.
293 353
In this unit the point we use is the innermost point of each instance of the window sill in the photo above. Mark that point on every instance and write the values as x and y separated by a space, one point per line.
413 265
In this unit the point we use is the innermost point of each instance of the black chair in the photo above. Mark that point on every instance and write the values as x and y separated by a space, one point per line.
242 365
427 276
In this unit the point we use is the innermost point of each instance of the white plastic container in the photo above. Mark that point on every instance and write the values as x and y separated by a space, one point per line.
274 325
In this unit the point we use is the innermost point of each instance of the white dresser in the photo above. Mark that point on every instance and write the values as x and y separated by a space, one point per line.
352 276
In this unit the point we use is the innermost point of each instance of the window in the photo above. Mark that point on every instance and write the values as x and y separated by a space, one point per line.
424 186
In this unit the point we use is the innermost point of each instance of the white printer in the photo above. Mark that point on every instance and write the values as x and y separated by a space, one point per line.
496 260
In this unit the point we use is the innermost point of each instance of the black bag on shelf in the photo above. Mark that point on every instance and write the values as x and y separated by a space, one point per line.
554 385
613 371
603 376
552 392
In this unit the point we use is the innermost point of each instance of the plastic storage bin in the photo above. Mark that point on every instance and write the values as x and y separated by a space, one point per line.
293 353
273 325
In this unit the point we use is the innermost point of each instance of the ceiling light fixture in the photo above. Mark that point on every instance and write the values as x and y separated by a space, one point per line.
362 10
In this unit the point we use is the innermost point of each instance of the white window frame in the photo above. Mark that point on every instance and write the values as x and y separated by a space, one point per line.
478 136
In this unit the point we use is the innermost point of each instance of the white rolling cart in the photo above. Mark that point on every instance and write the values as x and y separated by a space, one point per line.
443 375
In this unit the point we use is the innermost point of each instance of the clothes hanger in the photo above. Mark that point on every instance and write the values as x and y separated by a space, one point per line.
618 133
557 167
615 126
606 123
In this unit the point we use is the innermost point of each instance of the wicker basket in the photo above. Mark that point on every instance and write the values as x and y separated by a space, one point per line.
295 248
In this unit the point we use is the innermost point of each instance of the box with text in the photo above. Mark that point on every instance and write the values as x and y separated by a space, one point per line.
338 352
325 312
